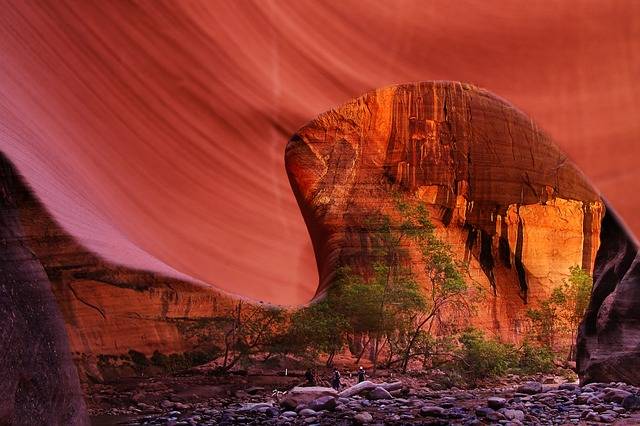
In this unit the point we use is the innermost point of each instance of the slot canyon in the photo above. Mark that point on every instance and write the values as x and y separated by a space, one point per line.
169 181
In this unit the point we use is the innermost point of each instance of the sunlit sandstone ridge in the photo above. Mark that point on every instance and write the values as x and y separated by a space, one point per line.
498 189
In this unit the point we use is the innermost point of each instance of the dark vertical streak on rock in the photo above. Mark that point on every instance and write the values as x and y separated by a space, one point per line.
447 216
587 231
472 235
486 259
522 275
504 251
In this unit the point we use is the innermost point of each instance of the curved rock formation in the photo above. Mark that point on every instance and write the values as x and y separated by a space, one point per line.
153 131
610 331
503 195
110 309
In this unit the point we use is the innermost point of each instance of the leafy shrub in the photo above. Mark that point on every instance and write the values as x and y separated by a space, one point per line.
138 358
536 359
183 361
159 359
480 357
139 361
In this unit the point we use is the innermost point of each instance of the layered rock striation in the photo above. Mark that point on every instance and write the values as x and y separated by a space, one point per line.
500 192
110 309
99 308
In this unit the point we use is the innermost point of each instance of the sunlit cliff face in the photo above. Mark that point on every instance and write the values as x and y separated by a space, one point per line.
499 193
155 133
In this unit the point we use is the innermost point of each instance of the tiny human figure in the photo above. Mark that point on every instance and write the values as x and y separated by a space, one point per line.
361 374
311 378
335 380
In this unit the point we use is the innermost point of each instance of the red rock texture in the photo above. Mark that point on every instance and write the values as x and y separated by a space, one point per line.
609 333
153 131
110 309
68 305
502 194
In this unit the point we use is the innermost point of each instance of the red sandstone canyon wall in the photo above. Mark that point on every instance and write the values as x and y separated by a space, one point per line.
109 309
504 197
608 335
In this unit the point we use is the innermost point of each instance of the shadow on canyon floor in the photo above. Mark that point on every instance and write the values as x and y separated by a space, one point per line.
200 396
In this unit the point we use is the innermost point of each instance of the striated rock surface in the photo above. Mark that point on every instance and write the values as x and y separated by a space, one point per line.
109 309
154 132
499 191
38 381
609 335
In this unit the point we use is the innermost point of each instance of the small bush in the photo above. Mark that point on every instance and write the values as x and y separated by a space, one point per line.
159 359
200 357
138 358
481 357
177 362
183 361
536 359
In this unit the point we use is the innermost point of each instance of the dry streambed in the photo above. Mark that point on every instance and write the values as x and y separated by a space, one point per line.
524 403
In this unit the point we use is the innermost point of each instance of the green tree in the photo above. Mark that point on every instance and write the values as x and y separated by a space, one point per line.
577 292
398 296
400 299
448 286
383 301
406 312
249 329
318 328
562 310
547 318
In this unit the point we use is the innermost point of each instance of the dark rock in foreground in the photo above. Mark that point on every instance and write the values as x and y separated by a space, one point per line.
38 380
609 336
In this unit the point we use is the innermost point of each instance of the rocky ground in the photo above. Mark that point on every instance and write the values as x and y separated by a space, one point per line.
550 400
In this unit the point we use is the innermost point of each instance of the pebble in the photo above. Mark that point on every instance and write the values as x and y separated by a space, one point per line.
363 418
306 412
496 402
530 388
513 415
432 411
484 411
